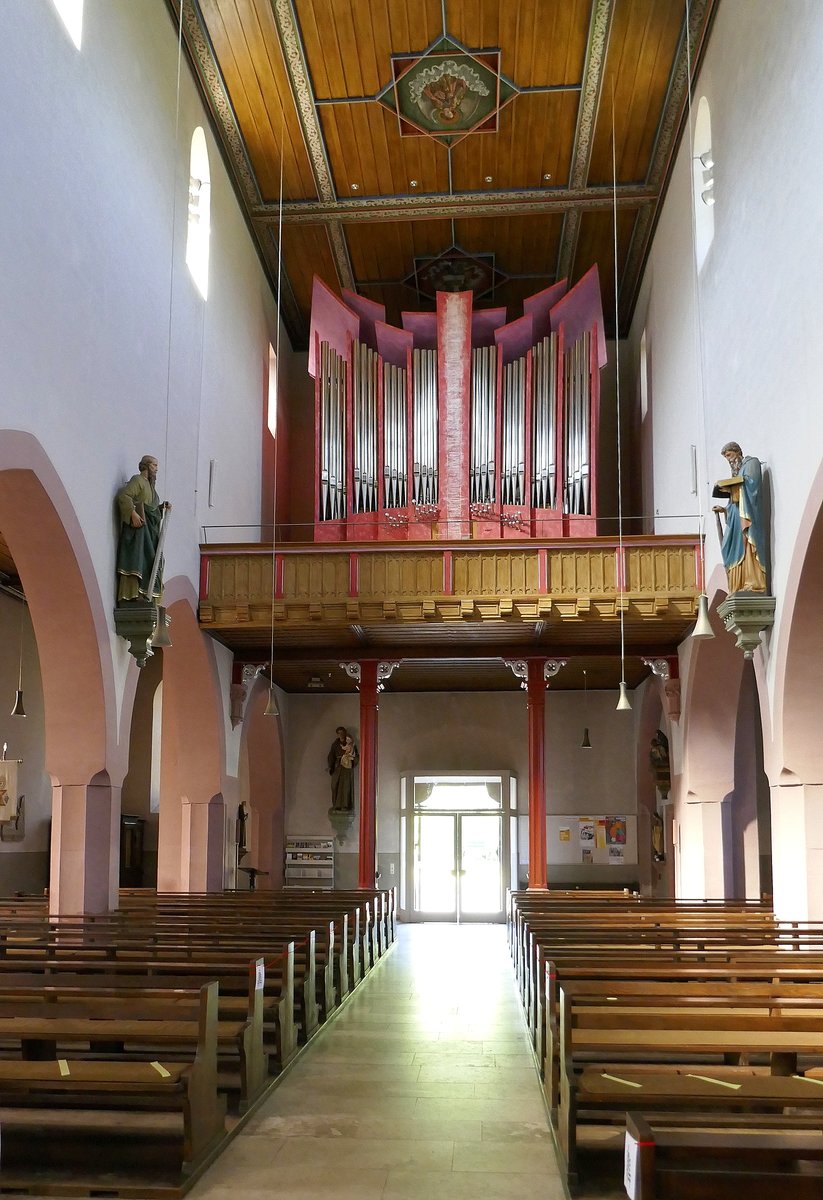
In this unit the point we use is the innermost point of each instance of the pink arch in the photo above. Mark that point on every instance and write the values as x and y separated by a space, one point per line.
70 622
798 749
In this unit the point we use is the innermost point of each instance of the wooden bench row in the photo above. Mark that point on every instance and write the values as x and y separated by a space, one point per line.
670 1009
170 1005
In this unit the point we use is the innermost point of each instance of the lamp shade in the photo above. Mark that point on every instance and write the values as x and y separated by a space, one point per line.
703 626
624 703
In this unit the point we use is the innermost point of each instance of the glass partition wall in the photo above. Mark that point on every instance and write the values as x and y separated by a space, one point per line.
459 852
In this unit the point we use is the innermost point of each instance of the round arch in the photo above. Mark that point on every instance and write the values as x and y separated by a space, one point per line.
74 647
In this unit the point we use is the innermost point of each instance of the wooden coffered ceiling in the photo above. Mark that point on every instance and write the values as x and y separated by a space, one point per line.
302 77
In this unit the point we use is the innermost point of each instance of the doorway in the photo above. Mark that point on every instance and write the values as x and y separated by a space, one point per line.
458 835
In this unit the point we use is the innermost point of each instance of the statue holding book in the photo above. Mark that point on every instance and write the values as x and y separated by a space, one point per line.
742 542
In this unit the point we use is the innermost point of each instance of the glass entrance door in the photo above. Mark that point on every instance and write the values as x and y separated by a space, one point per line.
458 866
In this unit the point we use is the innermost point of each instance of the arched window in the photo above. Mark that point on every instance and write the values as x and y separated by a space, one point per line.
197 242
71 14
272 397
703 182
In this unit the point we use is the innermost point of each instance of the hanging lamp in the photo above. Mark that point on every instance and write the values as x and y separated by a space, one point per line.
623 703
586 743
271 709
19 710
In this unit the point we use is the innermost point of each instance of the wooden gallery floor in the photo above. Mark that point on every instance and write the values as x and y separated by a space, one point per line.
424 1086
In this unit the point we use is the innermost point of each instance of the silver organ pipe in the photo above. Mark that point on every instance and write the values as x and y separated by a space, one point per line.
332 434
424 427
364 428
577 416
482 466
513 421
395 463
544 432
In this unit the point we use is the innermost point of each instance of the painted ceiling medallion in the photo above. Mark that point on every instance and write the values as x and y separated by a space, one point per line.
455 271
447 92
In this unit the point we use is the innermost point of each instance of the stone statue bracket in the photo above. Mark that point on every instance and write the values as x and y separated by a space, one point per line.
341 821
747 617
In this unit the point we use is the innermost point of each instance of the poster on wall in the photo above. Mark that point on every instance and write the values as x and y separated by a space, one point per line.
565 834
600 833
615 831
586 832
617 855
8 789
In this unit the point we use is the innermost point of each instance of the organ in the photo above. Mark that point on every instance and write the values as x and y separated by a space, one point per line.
458 425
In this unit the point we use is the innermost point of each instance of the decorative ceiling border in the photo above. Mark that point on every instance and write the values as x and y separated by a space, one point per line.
415 208
596 49
227 129
297 68
204 61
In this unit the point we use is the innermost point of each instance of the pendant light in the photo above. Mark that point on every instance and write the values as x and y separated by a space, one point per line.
271 709
586 743
19 710
623 703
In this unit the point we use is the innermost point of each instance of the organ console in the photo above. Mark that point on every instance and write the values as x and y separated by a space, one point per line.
458 425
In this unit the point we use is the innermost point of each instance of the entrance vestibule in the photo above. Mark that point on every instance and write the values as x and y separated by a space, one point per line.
460 845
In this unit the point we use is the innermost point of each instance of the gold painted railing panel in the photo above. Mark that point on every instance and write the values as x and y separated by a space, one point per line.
569 582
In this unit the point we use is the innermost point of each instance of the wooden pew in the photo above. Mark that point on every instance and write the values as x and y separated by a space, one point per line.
692 1078
189 1087
674 1162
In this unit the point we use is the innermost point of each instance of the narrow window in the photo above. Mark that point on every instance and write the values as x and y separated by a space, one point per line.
71 14
197 242
703 181
271 403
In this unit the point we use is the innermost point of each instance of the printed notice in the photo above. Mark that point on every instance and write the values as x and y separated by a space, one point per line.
565 834
586 831
630 1156
616 855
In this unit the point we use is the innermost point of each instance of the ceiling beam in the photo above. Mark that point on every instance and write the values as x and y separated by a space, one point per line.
460 204
316 655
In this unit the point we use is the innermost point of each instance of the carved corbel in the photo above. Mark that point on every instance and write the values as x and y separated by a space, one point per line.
661 667
520 669
384 671
552 666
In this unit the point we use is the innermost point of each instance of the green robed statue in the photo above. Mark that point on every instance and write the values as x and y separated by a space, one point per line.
141 515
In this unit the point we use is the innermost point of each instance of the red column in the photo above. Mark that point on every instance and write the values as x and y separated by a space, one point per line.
536 710
368 774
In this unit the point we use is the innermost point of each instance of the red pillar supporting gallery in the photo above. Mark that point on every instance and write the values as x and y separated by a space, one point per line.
536 713
368 774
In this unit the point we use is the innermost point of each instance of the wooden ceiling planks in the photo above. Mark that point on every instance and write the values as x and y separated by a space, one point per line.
392 254
365 148
596 245
644 39
520 244
245 41
344 62
535 136
306 253
348 46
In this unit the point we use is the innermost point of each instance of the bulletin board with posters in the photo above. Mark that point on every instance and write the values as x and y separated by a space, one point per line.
597 839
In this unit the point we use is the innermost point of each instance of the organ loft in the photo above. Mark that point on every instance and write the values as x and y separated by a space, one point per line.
459 424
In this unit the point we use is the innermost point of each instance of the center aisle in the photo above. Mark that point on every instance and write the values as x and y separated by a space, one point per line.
424 1087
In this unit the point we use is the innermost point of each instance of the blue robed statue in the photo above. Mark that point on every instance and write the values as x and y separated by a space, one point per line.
743 542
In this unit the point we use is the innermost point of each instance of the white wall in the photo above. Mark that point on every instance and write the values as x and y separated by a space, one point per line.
460 731
106 349
760 299
760 307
